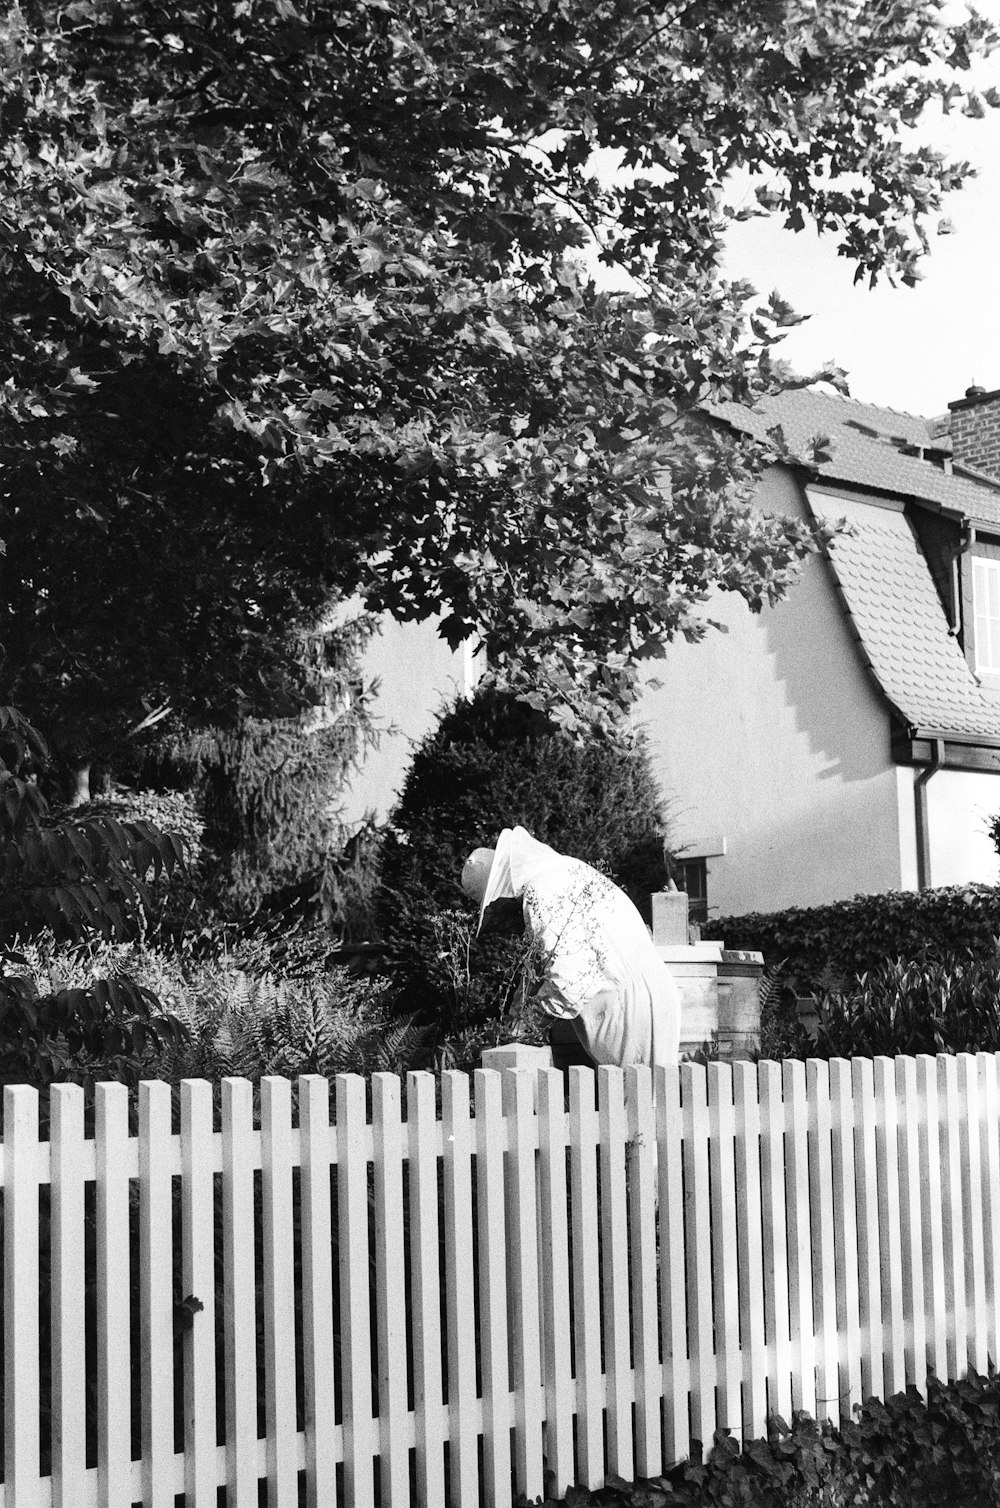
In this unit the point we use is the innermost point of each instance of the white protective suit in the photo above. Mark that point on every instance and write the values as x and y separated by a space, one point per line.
600 967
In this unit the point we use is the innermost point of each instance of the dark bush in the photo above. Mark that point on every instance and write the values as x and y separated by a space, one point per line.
923 1005
493 762
826 945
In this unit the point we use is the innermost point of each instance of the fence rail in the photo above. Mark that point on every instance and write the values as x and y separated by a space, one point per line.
508 1279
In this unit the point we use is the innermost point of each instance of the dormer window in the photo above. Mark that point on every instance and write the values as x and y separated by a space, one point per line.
986 605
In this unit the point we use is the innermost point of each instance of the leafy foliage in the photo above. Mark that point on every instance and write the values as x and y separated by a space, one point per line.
829 944
912 1006
72 878
908 1452
296 306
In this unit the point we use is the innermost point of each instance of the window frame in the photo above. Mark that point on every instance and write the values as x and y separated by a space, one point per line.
985 567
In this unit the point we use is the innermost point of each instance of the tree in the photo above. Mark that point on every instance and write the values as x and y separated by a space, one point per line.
295 305
75 879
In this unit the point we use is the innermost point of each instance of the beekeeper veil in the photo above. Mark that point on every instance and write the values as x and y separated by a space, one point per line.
505 872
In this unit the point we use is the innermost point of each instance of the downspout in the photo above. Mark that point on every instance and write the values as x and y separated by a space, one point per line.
923 824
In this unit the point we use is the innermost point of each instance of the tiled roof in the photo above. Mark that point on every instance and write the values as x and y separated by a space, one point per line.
893 603
867 448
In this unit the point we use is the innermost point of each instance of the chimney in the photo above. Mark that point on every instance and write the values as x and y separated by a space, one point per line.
974 426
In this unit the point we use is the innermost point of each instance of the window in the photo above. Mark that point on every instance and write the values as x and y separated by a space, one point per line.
986 605
693 877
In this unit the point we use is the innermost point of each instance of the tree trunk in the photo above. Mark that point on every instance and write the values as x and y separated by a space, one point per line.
80 785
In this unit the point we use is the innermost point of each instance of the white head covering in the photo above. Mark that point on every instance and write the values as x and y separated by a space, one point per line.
516 861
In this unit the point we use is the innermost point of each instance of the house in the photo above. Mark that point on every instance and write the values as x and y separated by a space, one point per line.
848 740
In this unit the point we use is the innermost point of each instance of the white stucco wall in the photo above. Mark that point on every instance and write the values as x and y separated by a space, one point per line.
772 737
418 676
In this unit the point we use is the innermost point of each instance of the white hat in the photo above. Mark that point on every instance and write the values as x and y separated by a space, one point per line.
476 873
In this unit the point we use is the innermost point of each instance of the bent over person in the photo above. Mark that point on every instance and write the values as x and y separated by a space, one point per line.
601 971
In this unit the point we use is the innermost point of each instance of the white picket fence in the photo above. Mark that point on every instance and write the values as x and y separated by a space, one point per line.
436 1309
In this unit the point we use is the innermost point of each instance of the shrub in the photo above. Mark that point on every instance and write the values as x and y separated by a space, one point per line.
924 1005
493 762
70 878
824 945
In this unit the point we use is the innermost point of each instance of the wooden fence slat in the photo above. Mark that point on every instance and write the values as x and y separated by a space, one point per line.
929 1138
824 1274
911 1286
725 1279
953 1233
972 1213
989 1154
554 1266
198 1281
614 1275
20 1310
845 1233
869 1256
800 1297
156 1294
890 1232
698 1250
749 1249
492 1242
69 1444
428 1393
460 1298
390 1291
673 1272
279 1291
772 1182
239 1309
642 1247
317 1291
584 1133
114 1431
355 1304
518 1088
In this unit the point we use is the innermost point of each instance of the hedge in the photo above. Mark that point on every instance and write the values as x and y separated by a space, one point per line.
820 945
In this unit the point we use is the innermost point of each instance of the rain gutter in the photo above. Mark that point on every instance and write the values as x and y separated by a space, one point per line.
920 785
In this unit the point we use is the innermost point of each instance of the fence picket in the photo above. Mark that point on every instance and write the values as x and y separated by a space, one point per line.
972 1213
725 1285
989 1152
156 1295
114 1432
890 1232
554 1266
492 1241
800 1297
933 1230
463 1433
911 1248
390 1291
772 1181
198 1281
642 1248
239 1325
673 1274
355 1304
749 1249
951 1208
522 1287
279 1309
824 1274
317 1291
20 1311
586 1279
614 1270
845 1234
69 1440
427 1381
866 1204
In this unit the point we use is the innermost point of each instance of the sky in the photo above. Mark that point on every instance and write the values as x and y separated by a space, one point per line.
913 349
